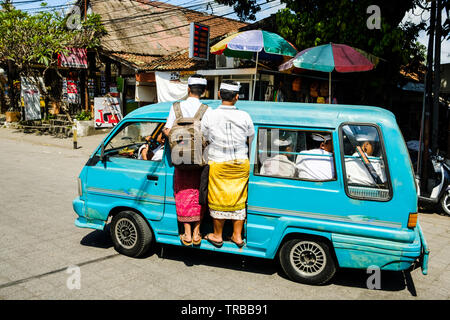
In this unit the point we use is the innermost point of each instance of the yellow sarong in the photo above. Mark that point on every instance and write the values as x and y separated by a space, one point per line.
227 187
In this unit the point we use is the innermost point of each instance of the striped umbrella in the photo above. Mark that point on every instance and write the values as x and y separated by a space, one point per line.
257 44
327 58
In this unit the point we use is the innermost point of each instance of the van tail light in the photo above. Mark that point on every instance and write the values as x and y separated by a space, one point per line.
412 220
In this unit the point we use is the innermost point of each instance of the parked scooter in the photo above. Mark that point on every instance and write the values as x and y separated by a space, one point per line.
438 191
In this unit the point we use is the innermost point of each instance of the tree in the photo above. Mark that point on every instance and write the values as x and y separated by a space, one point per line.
245 9
309 23
28 40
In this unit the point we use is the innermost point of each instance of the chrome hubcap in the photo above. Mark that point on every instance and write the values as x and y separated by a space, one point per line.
126 233
447 202
308 258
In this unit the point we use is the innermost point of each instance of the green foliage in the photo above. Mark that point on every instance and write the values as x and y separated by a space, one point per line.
27 39
245 9
84 115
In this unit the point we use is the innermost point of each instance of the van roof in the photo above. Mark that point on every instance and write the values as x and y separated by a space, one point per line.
286 113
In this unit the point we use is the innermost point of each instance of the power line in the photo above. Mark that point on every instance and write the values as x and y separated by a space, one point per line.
151 4
172 9
186 25
156 15
47 8
162 14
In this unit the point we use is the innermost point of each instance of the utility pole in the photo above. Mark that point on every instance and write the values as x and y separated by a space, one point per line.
422 165
437 77
86 72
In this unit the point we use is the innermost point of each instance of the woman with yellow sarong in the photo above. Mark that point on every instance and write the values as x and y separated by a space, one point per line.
229 132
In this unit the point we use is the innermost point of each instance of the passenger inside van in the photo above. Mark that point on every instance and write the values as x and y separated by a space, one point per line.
357 173
279 165
317 163
153 149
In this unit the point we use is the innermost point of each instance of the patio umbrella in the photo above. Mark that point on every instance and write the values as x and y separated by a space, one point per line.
329 57
251 44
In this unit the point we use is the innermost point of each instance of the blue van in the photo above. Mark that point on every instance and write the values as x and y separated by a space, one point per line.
353 206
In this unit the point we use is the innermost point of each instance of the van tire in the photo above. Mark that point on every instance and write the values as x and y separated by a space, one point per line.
307 261
130 234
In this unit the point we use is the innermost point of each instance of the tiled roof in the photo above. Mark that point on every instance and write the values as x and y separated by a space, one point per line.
135 61
143 27
177 61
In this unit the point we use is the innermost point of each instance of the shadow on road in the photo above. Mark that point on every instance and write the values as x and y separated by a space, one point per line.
98 239
354 278
389 280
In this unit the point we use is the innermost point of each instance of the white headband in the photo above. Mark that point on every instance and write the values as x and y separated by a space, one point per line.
195 80
230 87
321 138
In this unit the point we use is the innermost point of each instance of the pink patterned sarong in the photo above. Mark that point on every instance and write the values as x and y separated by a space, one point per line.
186 190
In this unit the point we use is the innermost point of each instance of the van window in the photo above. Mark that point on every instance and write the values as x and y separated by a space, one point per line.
295 154
132 138
365 171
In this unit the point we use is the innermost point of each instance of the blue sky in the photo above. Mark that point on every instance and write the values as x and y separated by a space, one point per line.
268 6
267 9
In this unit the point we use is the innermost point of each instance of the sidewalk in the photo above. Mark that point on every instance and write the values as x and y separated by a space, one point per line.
85 145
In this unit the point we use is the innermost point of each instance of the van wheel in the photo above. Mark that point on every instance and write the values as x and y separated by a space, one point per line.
130 234
445 202
307 261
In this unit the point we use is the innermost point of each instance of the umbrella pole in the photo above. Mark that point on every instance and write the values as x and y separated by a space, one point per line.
254 81
329 88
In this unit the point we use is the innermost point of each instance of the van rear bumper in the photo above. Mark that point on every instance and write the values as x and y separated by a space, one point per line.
362 253
425 251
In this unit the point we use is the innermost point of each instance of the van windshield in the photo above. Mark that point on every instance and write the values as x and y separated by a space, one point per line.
131 134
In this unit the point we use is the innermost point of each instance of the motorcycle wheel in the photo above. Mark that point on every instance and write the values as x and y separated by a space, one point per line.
445 202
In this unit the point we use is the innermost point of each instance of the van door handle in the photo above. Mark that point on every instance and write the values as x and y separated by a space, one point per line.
152 177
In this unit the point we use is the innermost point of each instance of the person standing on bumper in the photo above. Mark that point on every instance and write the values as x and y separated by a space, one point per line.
229 132
186 181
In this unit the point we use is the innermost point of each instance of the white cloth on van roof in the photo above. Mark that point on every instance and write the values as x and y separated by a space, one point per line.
169 90
188 108
315 164
227 129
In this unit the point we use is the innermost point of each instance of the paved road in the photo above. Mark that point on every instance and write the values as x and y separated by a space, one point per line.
39 242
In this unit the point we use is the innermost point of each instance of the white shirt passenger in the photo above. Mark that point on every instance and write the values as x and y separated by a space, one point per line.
189 108
227 130
315 164
278 165
357 172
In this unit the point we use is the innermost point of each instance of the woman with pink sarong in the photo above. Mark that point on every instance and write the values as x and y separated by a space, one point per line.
187 181
189 211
